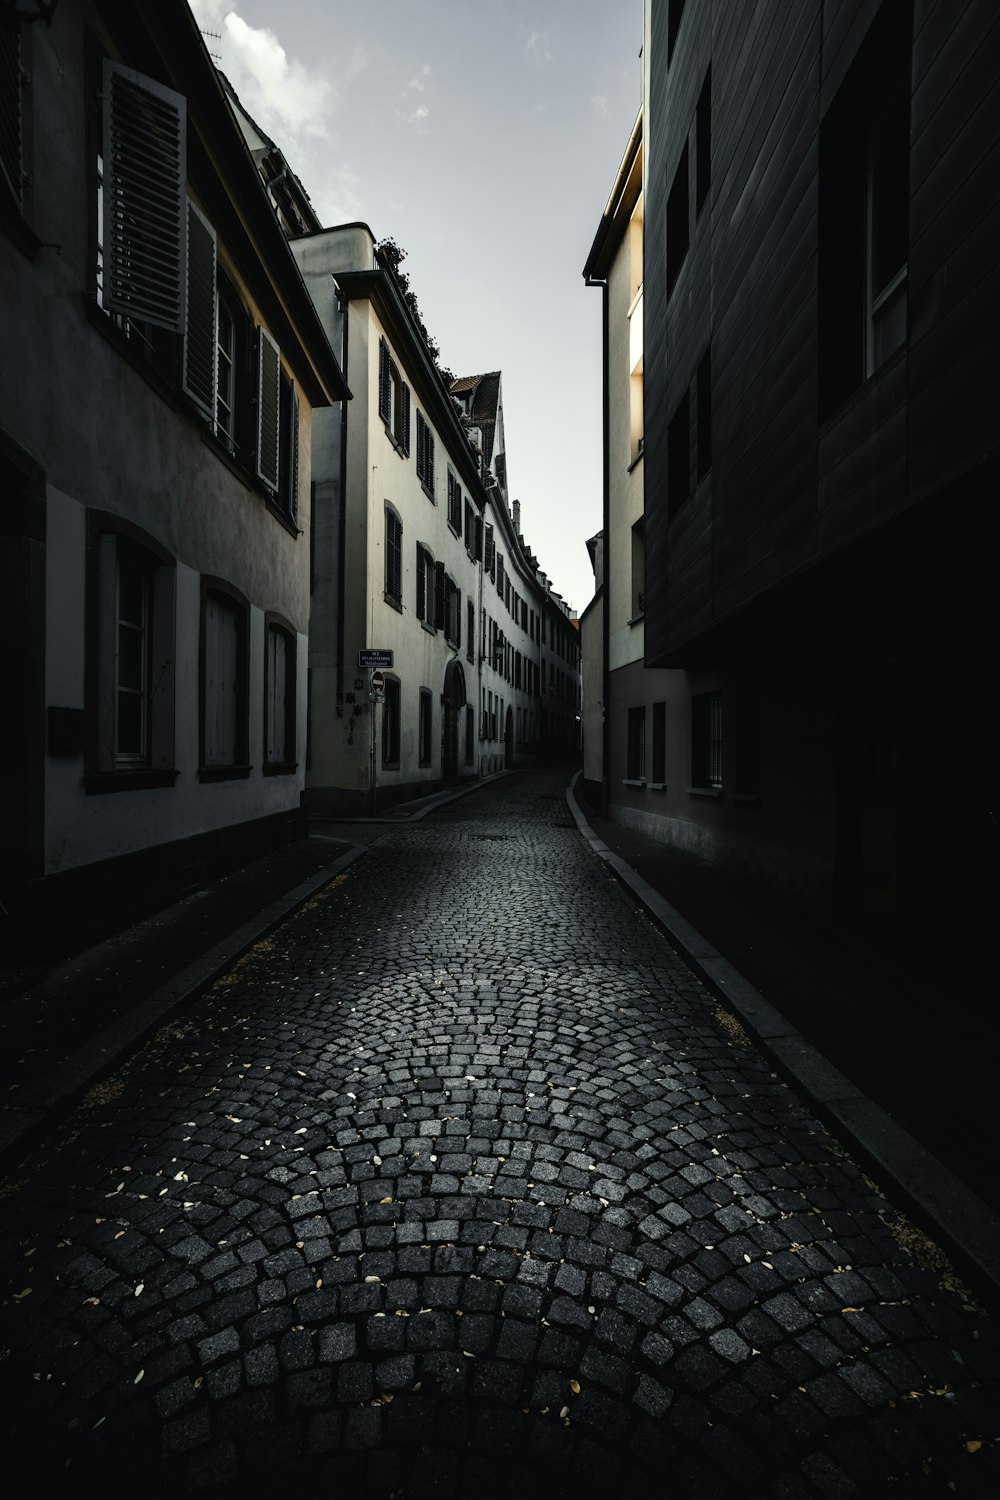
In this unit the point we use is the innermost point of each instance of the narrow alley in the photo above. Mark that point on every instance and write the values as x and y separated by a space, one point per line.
462 1184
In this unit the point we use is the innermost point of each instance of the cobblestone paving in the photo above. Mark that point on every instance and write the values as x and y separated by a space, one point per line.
461 1184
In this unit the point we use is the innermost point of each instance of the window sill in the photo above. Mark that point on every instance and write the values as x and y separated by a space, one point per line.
225 455
281 768
637 460
428 490
395 604
634 781
96 783
394 440
390 765
637 619
658 786
14 225
153 377
455 530
281 516
224 773
704 791
431 629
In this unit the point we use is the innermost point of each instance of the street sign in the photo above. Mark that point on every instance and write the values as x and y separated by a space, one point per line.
372 656
378 682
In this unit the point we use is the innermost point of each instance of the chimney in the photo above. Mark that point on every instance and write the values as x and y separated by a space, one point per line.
516 508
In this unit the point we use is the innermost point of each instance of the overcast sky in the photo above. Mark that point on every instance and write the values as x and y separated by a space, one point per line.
483 136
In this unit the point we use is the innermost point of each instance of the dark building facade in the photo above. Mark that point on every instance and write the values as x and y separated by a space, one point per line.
822 277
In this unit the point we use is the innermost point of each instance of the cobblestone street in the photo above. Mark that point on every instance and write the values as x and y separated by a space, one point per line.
462 1184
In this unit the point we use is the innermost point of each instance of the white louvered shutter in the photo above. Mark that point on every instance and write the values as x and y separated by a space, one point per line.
384 382
200 332
268 407
11 164
293 478
145 169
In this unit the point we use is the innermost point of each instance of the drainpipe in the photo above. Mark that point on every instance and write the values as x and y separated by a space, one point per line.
344 307
606 523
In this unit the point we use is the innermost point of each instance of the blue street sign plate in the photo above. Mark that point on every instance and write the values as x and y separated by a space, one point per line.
371 656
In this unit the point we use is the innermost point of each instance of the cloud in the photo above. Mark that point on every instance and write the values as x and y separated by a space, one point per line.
599 104
417 82
336 195
286 97
537 47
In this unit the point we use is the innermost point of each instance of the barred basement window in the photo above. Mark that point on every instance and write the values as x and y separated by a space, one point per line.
707 744
636 745
390 724
426 710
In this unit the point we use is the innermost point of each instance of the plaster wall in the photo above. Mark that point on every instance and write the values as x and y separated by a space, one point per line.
625 624
113 437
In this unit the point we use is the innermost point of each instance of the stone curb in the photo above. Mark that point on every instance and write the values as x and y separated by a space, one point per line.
952 1213
55 1092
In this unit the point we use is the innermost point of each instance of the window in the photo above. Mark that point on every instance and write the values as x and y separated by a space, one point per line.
425 585
12 78
489 562
224 670
390 724
677 221
440 596
209 335
393 558
470 529
636 745
679 456
703 144
706 740
887 226
452 612
470 631
454 504
393 399
500 574
130 657
864 187
703 412
279 699
659 766
638 567
425 455
426 709
470 734
288 448
675 9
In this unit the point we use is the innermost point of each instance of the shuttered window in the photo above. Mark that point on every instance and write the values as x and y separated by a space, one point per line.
439 596
288 446
384 382
421 584
144 209
454 504
11 163
425 454
201 332
280 664
222 682
268 399
393 556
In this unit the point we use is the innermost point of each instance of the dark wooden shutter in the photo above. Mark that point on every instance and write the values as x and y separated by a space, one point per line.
421 584
145 169
384 382
439 619
404 435
200 334
458 618
479 538
268 407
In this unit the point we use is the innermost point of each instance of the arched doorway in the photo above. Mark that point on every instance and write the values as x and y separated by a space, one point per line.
453 701
508 740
